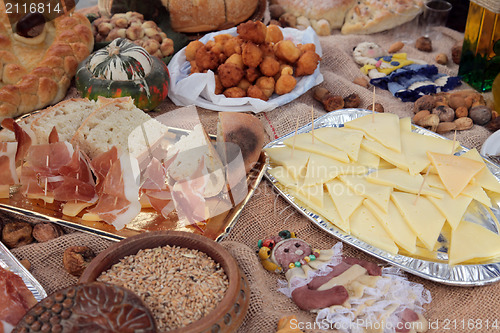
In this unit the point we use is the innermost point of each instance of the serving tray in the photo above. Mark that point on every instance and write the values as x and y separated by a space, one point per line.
148 219
438 270
9 262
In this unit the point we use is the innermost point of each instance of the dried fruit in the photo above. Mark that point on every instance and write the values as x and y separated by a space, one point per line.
352 101
16 234
424 44
396 47
463 123
361 81
456 52
429 122
44 232
426 102
445 113
378 107
445 127
77 258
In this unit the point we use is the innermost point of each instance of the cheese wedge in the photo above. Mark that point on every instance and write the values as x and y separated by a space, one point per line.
368 159
405 125
470 241
451 208
295 163
345 200
367 228
391 156
321 169
403 181
313 193
484 177
422 217
415 147
433 180
379 194
305 142
455 172
476 192
395 225
344 139
382 127
281 174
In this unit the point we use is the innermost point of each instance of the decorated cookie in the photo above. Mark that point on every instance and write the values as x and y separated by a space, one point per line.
348 294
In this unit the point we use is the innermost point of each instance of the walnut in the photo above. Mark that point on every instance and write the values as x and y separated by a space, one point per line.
352 101
424 44
77 258
44 232
16 234
378 107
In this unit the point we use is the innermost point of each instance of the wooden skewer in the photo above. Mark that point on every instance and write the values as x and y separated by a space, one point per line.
312 123
295 135
422 185
373 105
46 179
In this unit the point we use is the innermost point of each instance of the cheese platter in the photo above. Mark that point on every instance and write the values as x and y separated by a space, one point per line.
405 218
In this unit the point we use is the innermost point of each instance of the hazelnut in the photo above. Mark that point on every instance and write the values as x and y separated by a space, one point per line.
352 101
16 234
378 107
480 114
77 258
445 113
442 59
461 112
426 102
44 232
424 44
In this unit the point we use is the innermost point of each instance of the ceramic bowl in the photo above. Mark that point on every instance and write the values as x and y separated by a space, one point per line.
230 312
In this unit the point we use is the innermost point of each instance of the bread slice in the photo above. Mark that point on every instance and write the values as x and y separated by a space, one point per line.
117 122
244 130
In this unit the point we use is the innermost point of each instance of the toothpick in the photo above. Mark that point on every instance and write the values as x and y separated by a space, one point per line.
295 135
312 123
454 140
46 178
373 105
422 185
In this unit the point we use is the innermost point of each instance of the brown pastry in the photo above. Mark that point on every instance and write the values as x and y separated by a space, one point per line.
37 71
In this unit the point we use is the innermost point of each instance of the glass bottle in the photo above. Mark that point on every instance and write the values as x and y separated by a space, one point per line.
480 61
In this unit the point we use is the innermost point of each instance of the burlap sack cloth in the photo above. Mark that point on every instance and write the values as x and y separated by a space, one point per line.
453 309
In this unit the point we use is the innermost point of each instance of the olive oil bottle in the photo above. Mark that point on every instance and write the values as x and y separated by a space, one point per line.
480 61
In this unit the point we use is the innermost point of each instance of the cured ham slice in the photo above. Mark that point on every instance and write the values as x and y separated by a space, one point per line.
23 138
101 164
16 299
118 202
8 175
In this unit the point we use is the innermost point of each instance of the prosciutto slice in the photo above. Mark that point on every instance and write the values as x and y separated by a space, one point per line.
8 175
16 299
101 164
118 202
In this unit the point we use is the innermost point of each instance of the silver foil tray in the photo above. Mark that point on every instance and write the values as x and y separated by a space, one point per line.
439 270
9 262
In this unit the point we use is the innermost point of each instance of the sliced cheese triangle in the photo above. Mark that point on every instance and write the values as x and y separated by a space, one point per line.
344 139
321 169
455 172
484 177
366 227
295 163
379 194
405 125
476 192
281 174
395 225
344 199
305 142
396 158
403 181
451 208
470 241
368 159
422 217
382 127
312 194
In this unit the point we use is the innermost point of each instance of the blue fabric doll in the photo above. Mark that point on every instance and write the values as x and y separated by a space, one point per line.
407 79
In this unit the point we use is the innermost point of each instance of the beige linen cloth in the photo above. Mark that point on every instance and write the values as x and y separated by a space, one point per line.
456 308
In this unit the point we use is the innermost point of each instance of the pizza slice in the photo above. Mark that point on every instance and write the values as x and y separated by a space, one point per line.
371 16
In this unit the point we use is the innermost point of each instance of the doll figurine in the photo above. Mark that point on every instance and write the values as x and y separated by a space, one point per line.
407 79
347 294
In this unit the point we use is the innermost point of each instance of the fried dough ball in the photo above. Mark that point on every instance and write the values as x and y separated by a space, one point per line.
284 69
230 74
285 84
218 85
286 50
306 47
307 63
273 34
237 60
194 67
191 49
266 84
256 92
205 59
252 55
222 39
232 46
267 50
244 84
269 66
252 74
253 31
234 92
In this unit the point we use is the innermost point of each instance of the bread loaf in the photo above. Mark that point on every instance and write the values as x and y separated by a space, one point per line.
208 15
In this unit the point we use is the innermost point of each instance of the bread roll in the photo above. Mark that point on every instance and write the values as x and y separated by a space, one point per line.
207 15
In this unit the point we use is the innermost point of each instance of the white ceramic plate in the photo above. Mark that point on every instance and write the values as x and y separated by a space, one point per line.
492 145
